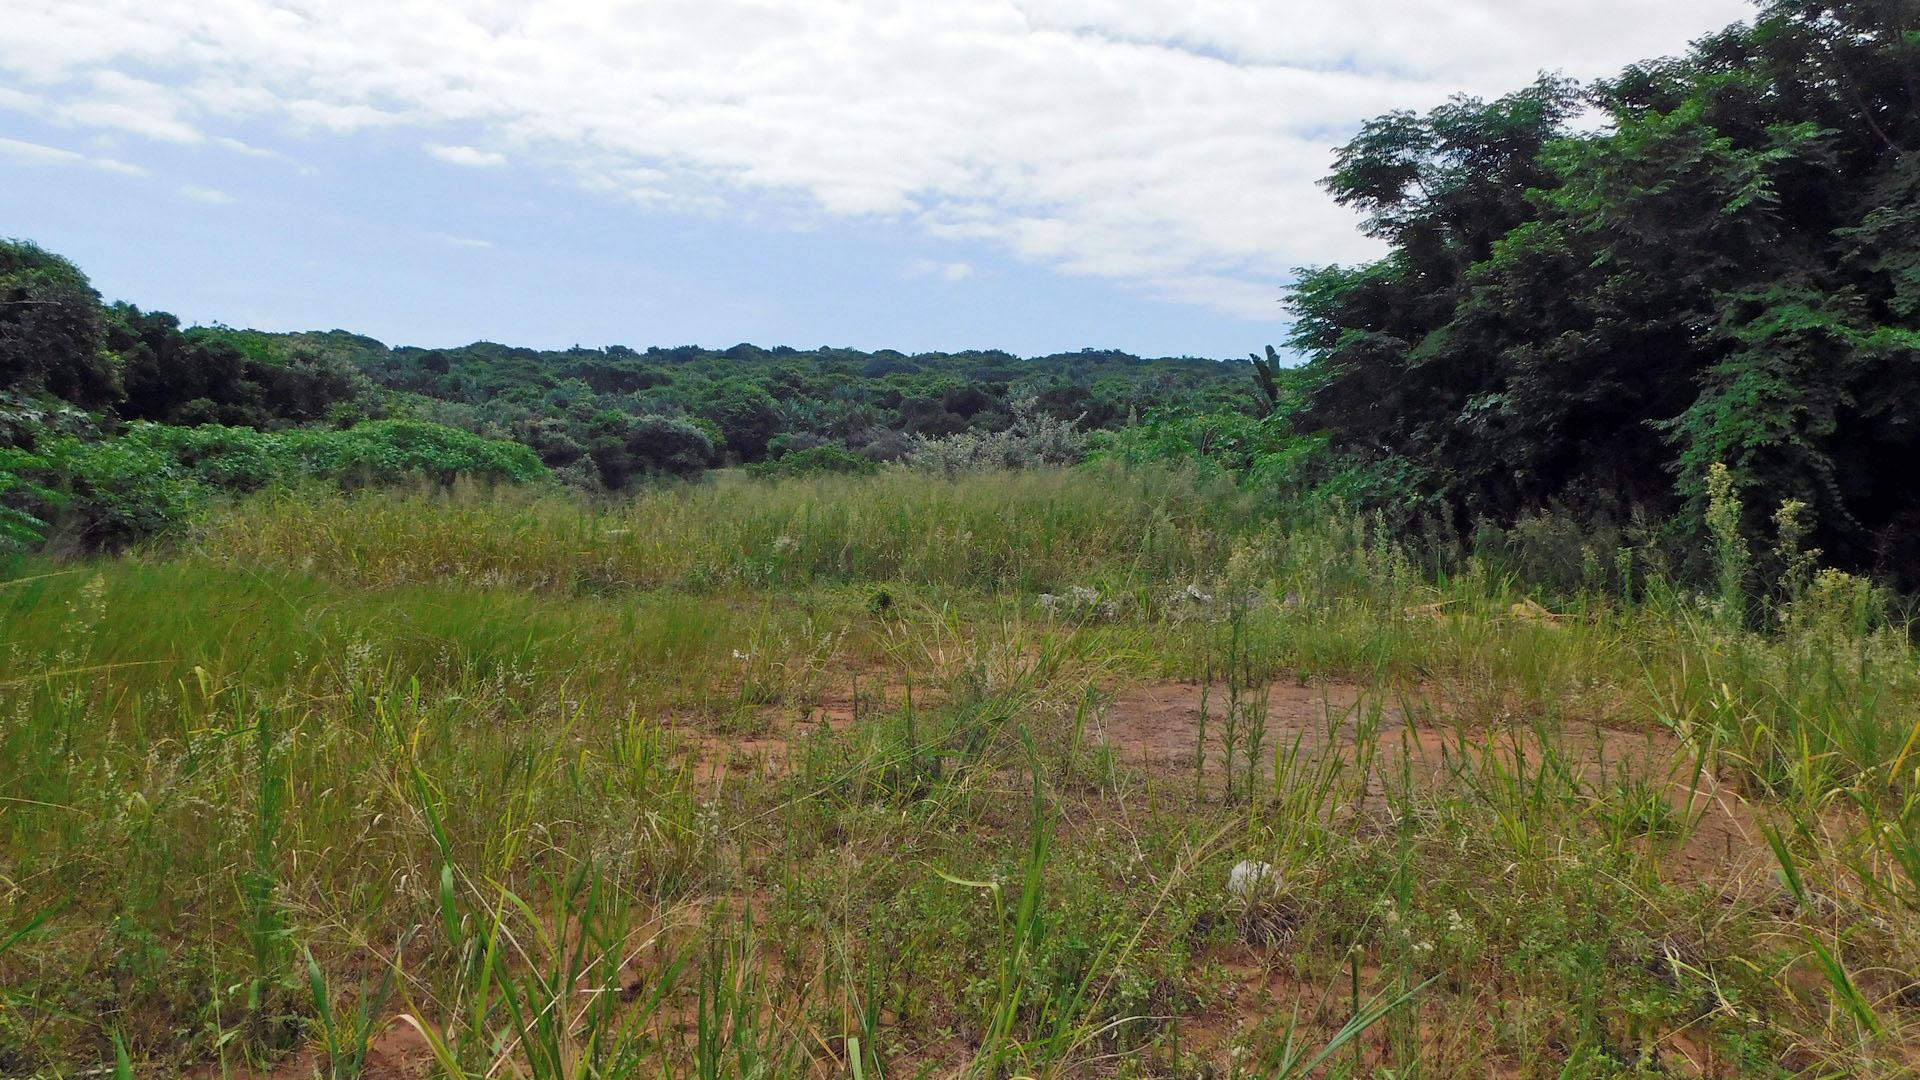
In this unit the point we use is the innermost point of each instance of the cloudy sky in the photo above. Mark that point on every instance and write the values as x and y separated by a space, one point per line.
1025 174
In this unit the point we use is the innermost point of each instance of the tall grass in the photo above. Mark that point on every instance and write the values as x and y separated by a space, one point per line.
1028 532
460 763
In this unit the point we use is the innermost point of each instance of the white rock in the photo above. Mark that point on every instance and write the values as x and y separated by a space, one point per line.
1251 879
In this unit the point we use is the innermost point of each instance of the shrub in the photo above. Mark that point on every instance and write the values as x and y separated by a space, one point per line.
102 494
1033 438
670 445
19 528
109 493
24 421
1226 438
794 441
387 451
746 415
229 458
830 458
883 445
623 447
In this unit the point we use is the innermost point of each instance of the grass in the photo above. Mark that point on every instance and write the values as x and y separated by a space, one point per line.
831 777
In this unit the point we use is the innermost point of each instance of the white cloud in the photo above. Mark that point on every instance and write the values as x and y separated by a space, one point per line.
469 156
116 102
945 271
460 241
248 150
28 153
1170 144
206 194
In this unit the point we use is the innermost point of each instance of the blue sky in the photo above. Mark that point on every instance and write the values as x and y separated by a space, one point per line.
1034 176
387 241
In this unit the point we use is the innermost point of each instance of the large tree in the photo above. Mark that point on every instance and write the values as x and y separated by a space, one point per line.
51 339
1727 271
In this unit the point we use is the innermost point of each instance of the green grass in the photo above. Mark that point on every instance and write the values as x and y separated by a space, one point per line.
445 770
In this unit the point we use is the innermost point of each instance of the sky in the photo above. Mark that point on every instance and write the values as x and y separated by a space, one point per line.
1033 175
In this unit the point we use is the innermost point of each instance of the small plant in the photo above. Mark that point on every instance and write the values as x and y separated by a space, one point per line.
1633 806
1797 562
345 1040
1731 558
1264 372
267 933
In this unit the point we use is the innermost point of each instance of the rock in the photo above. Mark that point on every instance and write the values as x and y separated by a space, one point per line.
1251 879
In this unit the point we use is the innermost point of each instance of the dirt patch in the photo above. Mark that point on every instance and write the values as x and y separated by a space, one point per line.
771 732
398 1052
1175 730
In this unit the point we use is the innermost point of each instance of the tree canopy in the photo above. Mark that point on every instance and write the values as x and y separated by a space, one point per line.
1727 270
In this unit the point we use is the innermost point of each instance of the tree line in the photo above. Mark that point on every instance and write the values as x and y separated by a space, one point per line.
113 419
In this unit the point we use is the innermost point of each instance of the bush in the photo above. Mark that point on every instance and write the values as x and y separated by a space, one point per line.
24 421
883 445
19 528
623 447
101 494
109 493
1228 439
815 459
1033 438
670 445
386 451
228 458
746 415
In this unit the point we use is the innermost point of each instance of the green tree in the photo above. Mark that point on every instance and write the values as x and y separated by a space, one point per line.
1728 272
51 339
746 414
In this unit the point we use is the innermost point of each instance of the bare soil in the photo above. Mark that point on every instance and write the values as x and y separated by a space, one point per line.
1157 729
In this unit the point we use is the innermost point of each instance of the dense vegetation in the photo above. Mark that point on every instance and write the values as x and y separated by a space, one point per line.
1728 272
113 420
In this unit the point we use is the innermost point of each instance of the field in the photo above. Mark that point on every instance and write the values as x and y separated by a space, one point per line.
900 775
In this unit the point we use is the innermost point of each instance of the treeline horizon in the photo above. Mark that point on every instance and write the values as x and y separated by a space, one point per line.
115 421
130 364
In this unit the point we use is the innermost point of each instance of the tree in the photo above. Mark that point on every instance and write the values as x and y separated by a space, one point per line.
212 376
1728 272
625 447
51 340
746 415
